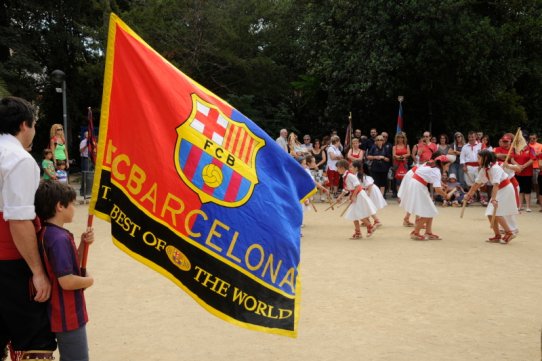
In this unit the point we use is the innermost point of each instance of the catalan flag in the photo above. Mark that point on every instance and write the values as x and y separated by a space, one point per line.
400 119
196 191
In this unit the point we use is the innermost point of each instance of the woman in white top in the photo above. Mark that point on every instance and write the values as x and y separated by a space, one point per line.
503 199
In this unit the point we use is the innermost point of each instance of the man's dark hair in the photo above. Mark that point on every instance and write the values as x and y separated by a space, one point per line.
13 112
49 193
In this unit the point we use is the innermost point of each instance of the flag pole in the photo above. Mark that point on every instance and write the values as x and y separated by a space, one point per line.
90 219
400 124
512 145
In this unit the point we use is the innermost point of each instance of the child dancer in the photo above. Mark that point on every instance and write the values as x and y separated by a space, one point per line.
361 206
403 193
419 200
367 182
503 199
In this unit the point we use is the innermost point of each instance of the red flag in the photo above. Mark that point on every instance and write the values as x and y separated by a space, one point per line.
400 118
91 138
348 135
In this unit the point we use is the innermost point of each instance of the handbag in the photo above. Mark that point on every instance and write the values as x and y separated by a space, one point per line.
401 171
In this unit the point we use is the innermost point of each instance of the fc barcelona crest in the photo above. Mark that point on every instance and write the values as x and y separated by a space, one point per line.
216 156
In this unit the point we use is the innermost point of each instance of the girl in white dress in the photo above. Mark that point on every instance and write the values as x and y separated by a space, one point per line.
367 182
503 198
361 206
419 201
403 193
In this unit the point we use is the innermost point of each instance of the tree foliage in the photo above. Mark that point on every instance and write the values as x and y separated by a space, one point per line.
303 65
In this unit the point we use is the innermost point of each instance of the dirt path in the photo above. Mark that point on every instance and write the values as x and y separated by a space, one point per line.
383 298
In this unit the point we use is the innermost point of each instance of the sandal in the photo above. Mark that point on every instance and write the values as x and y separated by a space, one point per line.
370 231
416 236
432 236
407 223
356 235
508 236
494 239
378 224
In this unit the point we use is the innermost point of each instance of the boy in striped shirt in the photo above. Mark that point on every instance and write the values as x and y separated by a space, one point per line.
55 206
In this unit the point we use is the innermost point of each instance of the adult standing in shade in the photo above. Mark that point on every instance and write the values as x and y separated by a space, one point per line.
455 150
58 145
282 140
524 158
23 311
380 158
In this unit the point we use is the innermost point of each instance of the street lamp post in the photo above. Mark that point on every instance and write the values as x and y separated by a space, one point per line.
59 77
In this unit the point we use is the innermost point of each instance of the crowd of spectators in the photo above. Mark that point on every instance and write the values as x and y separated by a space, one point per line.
388 160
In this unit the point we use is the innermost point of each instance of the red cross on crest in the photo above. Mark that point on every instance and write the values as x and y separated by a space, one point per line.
209 122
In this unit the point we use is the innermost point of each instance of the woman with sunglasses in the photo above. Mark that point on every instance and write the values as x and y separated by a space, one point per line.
58 145
380 158
455 150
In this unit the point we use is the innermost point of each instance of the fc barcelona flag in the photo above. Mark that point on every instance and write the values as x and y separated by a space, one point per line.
196 191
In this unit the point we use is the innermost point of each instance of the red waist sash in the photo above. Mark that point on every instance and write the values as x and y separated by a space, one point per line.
472 164
504 183
420 179
8 251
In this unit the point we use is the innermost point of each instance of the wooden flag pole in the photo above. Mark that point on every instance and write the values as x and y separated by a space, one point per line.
90 219
313 206
512 145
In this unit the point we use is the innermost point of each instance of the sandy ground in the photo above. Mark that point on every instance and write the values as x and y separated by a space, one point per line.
382 298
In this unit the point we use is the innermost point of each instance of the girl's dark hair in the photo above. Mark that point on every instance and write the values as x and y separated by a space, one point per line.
360 165
49 193
488 157
47 151
14 111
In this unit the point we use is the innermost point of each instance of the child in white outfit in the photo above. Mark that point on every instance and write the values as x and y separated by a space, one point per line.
361 206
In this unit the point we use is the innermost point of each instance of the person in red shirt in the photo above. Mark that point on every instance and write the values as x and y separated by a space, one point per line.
423 151
504 147
537 148
524 158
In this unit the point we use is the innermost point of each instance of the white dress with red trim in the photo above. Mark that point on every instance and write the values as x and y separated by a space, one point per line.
418 201
362 207
374 193
506 199
402 194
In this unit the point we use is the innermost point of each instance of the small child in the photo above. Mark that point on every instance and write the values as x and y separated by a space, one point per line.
55 206
453 185
318 180
367 182
48 165
61 173
444 185
307 163
361 206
